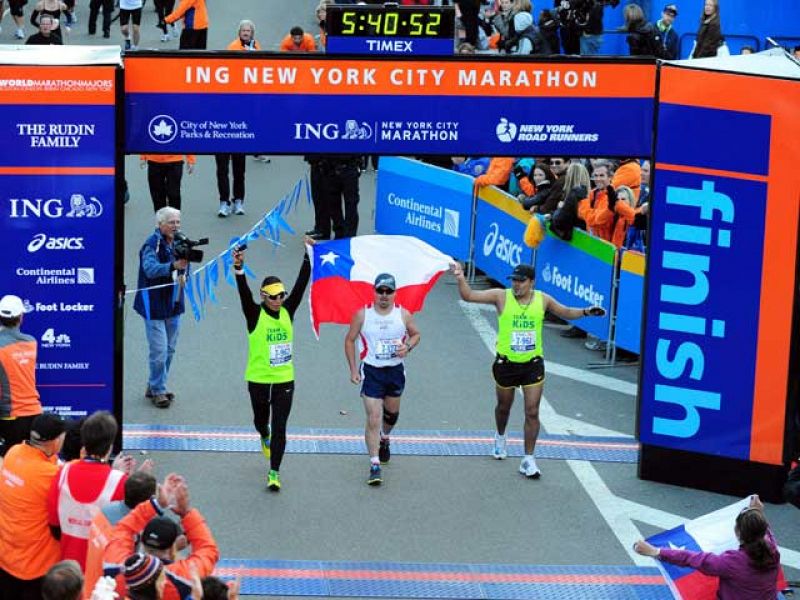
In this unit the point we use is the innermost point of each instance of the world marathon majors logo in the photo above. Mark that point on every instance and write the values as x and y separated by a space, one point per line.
53 208
56 307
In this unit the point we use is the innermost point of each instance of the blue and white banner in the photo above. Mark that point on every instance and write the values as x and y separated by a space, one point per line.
500 224
58 218
578 273
427 202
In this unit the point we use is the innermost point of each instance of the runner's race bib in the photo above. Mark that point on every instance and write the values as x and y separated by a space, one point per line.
280 354
523 341
387 349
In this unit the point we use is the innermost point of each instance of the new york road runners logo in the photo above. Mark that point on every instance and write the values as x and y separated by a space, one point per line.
162 129
506 130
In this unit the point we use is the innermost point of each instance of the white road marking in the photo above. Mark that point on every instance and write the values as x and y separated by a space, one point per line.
618 513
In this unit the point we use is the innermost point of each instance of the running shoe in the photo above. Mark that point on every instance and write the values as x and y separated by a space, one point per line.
384 454
265 447
224 209
499 451
375 475
166 37
528 468
19 34
274 481
238 207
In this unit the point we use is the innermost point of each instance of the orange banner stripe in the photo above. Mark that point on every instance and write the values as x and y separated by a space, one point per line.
713 172
56 170
278 75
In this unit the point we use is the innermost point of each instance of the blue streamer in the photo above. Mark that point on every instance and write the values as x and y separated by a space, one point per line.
283 224
308 190
209 286
192 300
201 297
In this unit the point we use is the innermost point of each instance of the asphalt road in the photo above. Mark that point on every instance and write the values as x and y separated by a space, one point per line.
431 509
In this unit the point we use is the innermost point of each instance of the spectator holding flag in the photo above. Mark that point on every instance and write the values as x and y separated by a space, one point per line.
270 366
747 573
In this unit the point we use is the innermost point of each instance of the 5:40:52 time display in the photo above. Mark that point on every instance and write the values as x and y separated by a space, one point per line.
389 24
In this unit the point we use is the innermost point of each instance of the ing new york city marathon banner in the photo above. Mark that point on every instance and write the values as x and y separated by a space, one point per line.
57 215
721 266
304 104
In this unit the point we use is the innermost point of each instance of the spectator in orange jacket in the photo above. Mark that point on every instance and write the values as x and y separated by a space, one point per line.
629 173
27 548
607 213
159 536
164 175
139 487
195 24
19 398
247 37
497 174
298 41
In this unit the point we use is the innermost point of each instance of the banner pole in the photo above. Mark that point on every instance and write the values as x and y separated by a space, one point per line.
472 225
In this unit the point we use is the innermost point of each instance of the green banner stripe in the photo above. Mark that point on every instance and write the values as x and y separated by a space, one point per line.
599 249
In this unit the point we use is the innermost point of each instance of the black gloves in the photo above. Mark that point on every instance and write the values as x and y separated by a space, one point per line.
612 198
519 172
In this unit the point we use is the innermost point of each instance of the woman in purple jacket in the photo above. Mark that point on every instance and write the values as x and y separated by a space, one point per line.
749 573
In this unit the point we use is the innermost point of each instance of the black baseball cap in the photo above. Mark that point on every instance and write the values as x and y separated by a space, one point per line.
671 8
522 272
385 280
47 427
160 533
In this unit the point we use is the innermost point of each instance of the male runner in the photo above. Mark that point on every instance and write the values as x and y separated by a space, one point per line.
520 356
387 333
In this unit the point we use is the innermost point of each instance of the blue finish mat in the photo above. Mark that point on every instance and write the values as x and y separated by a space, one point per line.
492 582
347 441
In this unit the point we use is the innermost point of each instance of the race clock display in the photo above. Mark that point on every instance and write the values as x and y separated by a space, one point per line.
372 29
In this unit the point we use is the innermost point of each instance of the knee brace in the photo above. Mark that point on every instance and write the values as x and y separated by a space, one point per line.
390 418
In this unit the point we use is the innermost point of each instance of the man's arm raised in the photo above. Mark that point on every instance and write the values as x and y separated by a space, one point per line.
495 296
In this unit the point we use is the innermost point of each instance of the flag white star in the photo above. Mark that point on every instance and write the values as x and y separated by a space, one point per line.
674 547
329 258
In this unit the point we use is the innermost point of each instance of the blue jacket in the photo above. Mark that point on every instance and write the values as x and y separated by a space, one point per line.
155 268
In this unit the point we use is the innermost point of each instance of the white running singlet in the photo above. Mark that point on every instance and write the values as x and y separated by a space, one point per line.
381 336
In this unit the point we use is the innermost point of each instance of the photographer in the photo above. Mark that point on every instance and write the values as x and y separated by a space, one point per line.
162 306
582 24
270 361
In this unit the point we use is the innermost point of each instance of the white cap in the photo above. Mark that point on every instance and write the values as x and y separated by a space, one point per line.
11 307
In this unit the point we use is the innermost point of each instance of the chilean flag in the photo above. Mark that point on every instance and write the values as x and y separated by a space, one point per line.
343 274
710 533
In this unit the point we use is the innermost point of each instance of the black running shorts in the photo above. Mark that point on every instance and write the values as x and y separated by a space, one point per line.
509 374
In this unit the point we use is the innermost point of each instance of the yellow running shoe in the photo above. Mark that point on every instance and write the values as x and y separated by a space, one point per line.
274 481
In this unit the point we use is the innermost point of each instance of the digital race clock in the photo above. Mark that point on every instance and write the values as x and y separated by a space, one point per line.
389 29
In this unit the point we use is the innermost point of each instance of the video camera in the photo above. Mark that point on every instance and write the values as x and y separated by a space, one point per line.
577 11
184 248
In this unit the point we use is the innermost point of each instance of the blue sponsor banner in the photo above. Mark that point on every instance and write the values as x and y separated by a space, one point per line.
578 273
83 135
630 299
396 46
58 218
313 105
703 290
488 126
430 203
500 224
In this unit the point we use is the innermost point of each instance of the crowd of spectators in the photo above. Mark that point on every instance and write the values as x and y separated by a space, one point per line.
75 524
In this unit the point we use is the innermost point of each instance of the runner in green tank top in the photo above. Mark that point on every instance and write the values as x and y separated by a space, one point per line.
270 362
520 358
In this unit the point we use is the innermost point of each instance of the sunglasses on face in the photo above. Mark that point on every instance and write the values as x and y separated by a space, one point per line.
384 291
279 296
